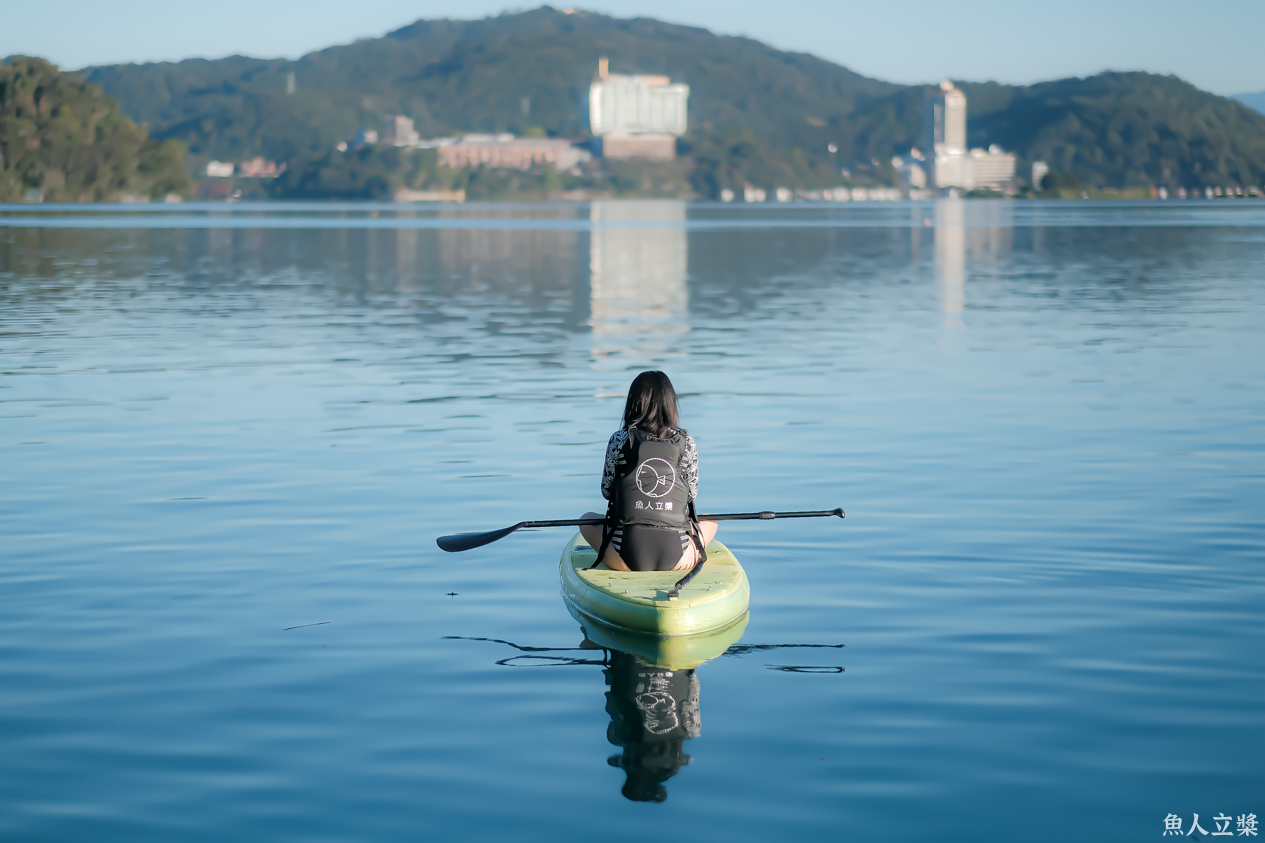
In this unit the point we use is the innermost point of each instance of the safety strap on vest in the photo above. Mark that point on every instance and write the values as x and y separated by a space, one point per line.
696 533
608 533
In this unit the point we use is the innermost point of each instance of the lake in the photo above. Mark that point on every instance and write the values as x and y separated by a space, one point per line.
230 434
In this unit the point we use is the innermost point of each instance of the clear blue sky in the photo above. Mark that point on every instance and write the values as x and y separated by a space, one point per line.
1216 44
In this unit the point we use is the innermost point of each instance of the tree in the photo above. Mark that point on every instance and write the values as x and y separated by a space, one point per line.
64 140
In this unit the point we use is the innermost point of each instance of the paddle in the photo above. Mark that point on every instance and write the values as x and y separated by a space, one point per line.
469 541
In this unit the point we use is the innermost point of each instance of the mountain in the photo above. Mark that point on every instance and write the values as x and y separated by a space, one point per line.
464 76
1256 101
63 140
1124 130
757 114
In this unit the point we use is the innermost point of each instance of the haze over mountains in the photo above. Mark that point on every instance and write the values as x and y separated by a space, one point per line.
757 114
1254 101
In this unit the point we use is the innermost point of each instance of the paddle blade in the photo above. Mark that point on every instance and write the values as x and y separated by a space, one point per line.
468 541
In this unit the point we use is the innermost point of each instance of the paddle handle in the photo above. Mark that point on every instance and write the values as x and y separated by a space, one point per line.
769 516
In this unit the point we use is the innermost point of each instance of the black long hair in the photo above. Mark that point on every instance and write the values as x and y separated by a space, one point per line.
652 406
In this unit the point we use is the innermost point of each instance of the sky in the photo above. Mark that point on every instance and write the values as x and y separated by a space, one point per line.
1215 44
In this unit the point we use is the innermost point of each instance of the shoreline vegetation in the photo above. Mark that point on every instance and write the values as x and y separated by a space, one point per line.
63 140
780 124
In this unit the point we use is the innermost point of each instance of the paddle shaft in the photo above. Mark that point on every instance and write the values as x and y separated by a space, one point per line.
726 516
468 541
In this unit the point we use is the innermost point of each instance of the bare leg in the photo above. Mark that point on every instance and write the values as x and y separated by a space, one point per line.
690 557
593 535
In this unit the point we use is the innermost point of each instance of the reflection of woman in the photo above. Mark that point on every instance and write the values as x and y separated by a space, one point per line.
650 480
653 712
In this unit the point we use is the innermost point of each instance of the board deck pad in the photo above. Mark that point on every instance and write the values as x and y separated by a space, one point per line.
639 601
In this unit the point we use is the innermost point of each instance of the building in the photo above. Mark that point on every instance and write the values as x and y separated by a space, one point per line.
405 194
652 147
949 164
991 169
910 173
1040 170
510 152
944 120
399 131
944 136
259 168
649 107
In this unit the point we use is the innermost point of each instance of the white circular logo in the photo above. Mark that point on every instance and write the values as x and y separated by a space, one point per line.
656 477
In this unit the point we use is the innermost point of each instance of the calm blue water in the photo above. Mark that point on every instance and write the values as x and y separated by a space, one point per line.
222 425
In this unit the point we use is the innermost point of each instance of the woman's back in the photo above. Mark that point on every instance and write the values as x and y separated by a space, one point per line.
650 480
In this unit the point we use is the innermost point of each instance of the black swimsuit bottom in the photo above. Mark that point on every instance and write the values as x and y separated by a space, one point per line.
649 548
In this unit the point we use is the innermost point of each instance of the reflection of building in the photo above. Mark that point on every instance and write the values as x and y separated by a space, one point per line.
638 261
949 164
637 116
950 266
511 152
975 234
512 263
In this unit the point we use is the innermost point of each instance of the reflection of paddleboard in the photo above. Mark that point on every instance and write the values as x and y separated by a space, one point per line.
671 652
638 602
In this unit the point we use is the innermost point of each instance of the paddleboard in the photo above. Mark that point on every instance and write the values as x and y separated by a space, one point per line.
638 602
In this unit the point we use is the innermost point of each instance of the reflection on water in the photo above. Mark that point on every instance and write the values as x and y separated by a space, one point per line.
653 703
638 301
950 258
982 241
484 258
213 439
653 712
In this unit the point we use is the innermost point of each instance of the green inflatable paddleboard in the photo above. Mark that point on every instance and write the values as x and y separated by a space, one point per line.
638 602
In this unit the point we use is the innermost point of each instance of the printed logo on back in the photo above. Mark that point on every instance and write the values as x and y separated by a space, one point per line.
656 477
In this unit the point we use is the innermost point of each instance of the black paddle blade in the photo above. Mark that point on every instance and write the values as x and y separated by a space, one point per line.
469 541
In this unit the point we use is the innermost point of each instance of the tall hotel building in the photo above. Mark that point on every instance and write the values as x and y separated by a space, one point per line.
636 116
950 163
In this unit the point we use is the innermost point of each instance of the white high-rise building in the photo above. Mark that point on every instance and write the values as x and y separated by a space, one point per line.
944 120
944 137
949 163
636 105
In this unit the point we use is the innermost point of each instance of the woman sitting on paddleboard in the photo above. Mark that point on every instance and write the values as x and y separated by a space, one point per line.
650 480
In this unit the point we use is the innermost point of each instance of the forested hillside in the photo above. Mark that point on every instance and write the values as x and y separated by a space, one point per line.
757 114
62 139
1124 130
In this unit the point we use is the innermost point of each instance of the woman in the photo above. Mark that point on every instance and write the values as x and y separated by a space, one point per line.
650 480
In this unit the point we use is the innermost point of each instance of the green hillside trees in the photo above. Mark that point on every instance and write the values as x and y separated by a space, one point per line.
64 140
